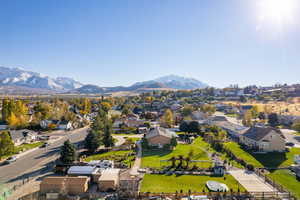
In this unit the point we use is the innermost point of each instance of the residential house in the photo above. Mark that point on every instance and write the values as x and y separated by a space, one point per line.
159 136
3 126
264 139
65 185
64 125
198 115
109 180
23 136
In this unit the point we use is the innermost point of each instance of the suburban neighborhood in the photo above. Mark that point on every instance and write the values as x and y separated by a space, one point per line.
149 100
159 144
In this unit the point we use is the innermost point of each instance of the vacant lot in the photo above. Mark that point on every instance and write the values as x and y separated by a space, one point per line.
152 158
165 183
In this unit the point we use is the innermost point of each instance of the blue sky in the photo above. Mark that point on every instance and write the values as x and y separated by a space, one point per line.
119 42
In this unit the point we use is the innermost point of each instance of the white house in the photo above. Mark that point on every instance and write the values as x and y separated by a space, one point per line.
264 139
64 125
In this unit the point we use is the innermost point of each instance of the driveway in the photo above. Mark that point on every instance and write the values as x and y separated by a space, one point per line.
291 137
138 160
251 181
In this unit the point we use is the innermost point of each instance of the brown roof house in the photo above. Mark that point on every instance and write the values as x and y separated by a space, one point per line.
65 185
159 136
264 139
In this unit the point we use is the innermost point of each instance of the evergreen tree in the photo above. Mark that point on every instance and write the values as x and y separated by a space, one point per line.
6 144
107 136
5 110
92 141
68 152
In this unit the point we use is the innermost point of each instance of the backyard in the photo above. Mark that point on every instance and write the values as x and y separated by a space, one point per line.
173 183
152 158
125 157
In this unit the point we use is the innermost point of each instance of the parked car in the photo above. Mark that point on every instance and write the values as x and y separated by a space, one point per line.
290 144
45 145
10 159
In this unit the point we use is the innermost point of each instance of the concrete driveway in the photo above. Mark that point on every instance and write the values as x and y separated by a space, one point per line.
290 136
251 181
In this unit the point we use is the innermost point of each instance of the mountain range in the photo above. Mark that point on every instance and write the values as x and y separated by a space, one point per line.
17 80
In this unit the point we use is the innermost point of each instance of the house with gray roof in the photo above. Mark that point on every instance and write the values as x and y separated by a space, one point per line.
265 139
23 136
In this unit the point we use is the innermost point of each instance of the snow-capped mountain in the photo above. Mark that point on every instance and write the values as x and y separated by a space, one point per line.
176 82
21 77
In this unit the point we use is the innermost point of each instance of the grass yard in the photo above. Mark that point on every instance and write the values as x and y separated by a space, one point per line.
278 159
287 180
22 148
164 183
132 139
25 147
240 153
151 158
114 155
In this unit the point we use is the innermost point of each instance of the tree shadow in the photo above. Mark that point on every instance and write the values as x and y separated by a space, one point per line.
46 168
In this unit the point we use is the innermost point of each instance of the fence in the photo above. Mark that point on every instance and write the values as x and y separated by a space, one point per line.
279 187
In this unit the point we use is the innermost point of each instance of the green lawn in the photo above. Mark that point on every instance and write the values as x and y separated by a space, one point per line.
287 180
120 156
25 147
151 158
232 115
241 154
132 139
22 148
164 183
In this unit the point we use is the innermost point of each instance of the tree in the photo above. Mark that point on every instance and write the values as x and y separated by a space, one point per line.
184 126
262 116
107 136
247 118
187 110
5 110
273 119
105 106
68 152
145 143
173 142
6 144
296 126
254 112
168 118
194 127
207 108
92 141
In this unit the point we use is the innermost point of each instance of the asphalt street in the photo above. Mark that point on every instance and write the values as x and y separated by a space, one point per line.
27 165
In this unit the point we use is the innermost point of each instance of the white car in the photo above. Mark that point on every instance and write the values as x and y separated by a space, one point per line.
10 159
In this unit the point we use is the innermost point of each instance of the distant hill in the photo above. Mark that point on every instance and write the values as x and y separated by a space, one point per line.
27 79
20 81
174 82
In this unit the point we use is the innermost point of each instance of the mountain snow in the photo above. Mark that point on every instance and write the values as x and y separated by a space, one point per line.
21 77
